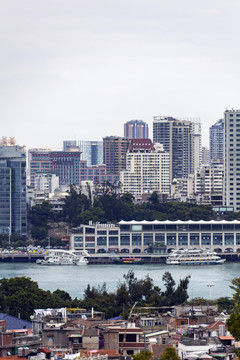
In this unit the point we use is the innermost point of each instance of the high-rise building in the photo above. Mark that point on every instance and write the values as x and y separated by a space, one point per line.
92 152
114 153
13 206
232 159
136 129
209 184
147 169
216 140
181 138
65 164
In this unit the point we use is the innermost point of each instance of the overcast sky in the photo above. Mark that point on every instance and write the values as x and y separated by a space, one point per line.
79 69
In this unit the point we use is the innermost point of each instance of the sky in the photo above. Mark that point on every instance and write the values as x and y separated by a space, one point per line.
79 69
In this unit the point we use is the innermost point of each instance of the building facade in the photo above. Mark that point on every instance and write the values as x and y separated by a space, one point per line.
216 141
46 182
69 145
209 184
136 236
67 166
64 164
205 155
13 206
92 152
232 159
136 129
181 138
114 153
97 174
147 169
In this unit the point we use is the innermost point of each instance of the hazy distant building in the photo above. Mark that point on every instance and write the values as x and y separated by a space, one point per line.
114 153
147 169
232 159
216 139
205 155
65 164
13 207
136 129
71 145
181 138
92 152
96 173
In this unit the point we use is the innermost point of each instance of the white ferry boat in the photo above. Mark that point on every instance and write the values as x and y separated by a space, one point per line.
194 257
63 257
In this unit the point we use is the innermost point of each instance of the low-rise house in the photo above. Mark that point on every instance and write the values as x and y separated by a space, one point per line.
217 328
125 340
158 337
85 339
13 341
188 346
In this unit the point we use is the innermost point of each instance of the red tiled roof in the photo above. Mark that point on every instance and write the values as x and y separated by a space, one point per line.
44 350
215 326
141 144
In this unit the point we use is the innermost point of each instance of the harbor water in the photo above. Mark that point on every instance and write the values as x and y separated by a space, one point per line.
74 279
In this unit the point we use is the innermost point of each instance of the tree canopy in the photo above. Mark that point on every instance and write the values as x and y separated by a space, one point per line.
233 323
21 295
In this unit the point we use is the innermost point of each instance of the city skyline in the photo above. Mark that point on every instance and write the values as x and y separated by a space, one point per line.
80 70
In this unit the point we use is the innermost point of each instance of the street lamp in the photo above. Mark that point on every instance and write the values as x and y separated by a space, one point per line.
210 285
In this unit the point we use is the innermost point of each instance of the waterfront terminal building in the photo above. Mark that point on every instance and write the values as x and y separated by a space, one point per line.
141 236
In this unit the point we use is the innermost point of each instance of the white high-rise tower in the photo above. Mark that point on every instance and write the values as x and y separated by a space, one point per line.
232 159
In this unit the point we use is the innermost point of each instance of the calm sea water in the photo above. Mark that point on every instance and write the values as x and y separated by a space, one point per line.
74 279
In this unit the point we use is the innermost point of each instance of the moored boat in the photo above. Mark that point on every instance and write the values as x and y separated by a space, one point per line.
63 257
129 261
194 257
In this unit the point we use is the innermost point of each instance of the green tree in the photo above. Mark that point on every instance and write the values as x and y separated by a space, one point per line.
21 295
74 204
233 325
143 355
236 296
170 354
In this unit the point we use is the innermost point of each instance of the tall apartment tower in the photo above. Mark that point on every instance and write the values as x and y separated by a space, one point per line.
136 129
216 141
147 169
114 153
232 159
181 138
13 206
92 152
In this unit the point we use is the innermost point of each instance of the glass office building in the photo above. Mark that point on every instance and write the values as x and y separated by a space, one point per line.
13 207
92 152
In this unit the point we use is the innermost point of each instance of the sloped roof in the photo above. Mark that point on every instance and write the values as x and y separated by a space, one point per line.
14 323
215 325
